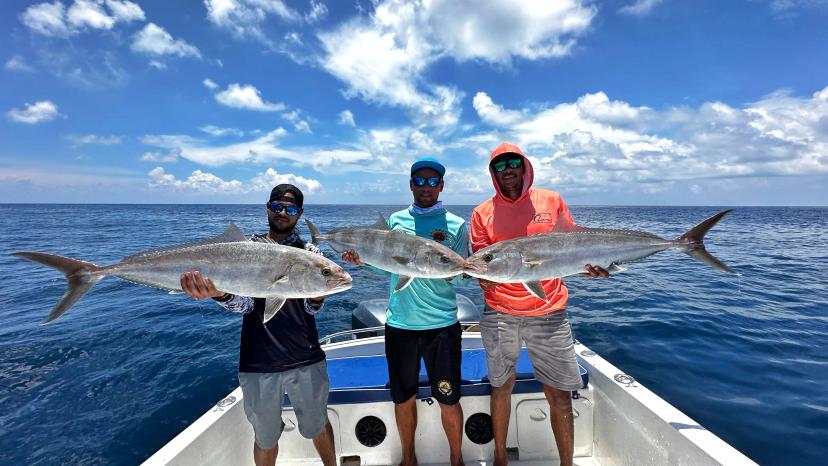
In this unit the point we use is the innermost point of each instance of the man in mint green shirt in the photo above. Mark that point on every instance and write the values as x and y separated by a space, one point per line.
422 318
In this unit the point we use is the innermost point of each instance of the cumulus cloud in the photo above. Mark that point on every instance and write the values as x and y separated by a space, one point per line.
92 139
299 123
639 7
17 63
207 182
318 10
246 17
596 141
346 118
401 40
246 97
37 112
54 19
153 40
209 84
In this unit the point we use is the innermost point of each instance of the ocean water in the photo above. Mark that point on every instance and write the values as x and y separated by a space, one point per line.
129 366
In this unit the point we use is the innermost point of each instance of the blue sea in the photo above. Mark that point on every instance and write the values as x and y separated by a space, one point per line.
129 366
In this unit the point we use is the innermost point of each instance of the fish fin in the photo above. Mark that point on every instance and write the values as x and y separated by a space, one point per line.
402 282
79 277
701 254
401 260
694 239
280 281
265 239
536 289
315 234
233 234
272 306
563 225
381 224
616 268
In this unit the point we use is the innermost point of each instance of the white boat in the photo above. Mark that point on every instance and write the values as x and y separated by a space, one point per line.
617 420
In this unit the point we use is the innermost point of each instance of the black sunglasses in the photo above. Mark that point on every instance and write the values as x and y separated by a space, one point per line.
501 165
421 181
291 210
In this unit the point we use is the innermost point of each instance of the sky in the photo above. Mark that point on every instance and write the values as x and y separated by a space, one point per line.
616 102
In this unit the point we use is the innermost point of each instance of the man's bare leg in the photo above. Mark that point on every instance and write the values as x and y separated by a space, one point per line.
264 457
452 417
563 426
501 408
324 443
406 416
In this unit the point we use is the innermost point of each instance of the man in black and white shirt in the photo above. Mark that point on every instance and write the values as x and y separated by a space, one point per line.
282 355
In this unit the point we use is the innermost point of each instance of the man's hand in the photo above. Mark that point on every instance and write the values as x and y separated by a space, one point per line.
596 271
486 284
197 287
352 257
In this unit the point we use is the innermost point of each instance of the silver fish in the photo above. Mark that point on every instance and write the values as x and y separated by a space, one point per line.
234 264
568 248
394 251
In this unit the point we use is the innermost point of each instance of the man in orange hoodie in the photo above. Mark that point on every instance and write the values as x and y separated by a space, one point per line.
513 315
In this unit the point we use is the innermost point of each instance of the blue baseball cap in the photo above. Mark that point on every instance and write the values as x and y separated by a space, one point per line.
428 162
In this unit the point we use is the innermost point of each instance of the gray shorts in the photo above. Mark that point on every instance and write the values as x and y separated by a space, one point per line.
307 388
548 340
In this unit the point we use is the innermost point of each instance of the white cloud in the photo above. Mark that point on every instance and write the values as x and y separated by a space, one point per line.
54 19
599 142
270 178
17 63
299 124
263 149
158 65
246 97
94 139
382 59
207 182
317 12
639 7
153 40
246 17
347 118
209 84
37 112
168 157
219 132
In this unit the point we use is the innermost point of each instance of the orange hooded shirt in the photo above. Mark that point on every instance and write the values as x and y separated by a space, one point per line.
500 218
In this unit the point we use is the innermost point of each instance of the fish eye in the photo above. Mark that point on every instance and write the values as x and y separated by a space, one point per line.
326 272
487 258
444 259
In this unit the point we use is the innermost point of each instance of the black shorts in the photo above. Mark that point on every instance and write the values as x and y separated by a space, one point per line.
440 349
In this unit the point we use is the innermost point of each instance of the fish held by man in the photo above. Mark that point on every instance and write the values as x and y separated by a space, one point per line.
394 251
568 248
235 264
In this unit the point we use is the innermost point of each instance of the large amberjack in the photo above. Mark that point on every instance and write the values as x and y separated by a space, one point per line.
568 248
394 251
234 264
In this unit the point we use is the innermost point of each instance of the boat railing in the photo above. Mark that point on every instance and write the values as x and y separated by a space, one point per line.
357 333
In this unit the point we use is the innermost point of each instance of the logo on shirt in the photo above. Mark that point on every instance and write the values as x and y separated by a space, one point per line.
543 217
439 235
444 386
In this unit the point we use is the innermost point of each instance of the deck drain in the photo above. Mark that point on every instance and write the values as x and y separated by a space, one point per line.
370 431
479 428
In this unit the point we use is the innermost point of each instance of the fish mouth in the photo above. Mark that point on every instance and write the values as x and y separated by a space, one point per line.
469 267
340 283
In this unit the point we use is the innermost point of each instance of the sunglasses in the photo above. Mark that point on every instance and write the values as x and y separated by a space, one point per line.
421 181
513 163
277 208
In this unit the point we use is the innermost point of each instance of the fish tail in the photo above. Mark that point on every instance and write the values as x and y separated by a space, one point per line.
693 240
315 233
80 277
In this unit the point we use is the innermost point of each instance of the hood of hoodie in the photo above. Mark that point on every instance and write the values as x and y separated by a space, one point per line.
528 172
